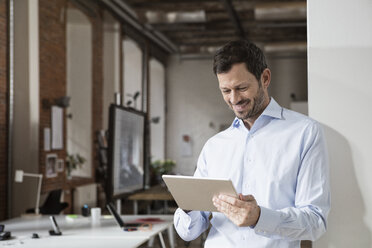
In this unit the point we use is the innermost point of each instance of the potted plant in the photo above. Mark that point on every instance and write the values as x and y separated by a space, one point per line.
73 161
161 167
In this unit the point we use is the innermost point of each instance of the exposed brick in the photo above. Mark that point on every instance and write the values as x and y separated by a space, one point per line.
53 79
52 38
52 34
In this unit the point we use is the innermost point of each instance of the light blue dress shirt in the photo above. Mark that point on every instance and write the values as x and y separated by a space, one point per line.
282 161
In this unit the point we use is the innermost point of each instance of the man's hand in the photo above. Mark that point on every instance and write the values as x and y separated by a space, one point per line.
242 212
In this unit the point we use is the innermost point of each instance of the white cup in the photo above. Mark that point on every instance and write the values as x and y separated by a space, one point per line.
96 215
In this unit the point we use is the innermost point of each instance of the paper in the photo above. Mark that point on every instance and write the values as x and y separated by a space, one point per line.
51 165
57 127
186 147
47 139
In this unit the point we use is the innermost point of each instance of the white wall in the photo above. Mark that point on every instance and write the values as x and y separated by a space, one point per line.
194 107
26 103
157 109
340 91
79 88
289 75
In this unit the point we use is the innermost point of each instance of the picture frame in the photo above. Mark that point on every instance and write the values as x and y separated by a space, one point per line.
60 165
51 165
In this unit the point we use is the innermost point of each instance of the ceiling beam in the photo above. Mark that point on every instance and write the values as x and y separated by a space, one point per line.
221 26
285 47
213 41
234 18
161 16
207 41
117 9
278 48
281 11
176 5
153 17
200 34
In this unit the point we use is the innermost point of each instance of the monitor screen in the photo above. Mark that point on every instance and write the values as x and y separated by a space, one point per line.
126 150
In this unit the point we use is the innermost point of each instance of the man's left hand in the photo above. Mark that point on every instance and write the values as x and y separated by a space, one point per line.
242 211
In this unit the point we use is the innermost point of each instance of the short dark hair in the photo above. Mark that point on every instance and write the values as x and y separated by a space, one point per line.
240 51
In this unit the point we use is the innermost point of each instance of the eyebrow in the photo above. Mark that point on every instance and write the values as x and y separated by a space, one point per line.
243 84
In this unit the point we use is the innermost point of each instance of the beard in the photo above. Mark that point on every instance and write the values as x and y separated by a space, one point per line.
258 103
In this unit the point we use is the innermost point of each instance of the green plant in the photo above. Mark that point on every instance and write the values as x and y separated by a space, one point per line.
161 167
74 161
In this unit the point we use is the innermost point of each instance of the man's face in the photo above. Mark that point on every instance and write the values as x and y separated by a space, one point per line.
242 92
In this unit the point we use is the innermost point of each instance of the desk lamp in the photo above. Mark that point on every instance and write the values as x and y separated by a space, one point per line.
19 174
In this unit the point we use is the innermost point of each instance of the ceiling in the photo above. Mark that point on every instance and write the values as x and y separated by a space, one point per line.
200 27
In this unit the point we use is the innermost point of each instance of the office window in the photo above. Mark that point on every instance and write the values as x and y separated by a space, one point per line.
79 88
132 74
157 109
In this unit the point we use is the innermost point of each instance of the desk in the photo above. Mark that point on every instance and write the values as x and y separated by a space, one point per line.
156 193
80 232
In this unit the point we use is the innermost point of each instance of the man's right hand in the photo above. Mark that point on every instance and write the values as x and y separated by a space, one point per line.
242 212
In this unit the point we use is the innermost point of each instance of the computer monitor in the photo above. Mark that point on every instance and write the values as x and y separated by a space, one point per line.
126 151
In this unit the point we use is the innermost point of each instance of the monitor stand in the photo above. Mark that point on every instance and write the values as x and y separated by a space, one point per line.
118 206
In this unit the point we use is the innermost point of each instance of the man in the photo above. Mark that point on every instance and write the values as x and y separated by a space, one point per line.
276 159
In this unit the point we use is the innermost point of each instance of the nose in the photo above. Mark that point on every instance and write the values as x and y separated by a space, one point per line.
235 97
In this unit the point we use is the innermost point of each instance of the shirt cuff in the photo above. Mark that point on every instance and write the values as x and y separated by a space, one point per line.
268 222
186 217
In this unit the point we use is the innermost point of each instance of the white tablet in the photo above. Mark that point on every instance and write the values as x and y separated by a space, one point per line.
195 193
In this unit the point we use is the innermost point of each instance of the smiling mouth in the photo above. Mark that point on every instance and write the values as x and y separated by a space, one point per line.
241 106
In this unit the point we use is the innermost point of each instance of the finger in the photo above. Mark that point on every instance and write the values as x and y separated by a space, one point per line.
221 204
246 197
235 217
241 197
224 207
231 200
235 214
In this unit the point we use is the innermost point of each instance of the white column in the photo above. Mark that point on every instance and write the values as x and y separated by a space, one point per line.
340 93
26 101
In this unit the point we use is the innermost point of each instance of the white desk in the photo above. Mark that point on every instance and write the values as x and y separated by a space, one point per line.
80 232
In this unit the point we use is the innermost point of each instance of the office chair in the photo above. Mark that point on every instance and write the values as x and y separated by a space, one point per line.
52 204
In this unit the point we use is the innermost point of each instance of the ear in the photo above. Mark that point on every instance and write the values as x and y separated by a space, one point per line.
266 78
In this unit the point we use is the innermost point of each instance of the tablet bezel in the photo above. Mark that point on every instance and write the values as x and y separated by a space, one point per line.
196 193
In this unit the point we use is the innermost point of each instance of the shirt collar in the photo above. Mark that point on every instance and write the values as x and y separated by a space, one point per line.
273 110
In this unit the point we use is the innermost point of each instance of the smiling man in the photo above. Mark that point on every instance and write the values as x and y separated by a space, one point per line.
244 94
276 159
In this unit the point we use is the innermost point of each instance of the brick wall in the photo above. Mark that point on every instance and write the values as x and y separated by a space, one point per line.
52 52
97 94
3 109
52 22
